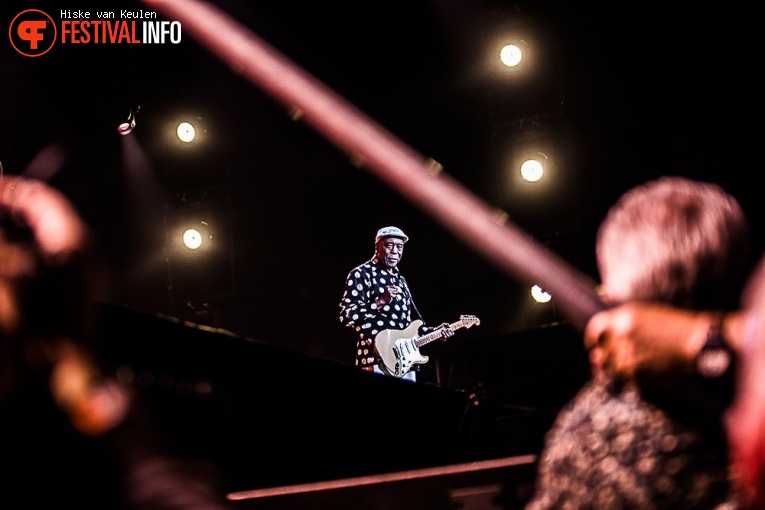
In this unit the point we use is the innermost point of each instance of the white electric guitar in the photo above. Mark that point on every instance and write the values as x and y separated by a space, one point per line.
399 349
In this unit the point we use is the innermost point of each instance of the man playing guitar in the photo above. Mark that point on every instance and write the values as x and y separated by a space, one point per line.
377 298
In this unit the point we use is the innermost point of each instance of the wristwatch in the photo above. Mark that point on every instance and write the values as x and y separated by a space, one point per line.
715 357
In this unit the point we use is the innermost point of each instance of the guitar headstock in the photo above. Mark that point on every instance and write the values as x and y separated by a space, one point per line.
469 320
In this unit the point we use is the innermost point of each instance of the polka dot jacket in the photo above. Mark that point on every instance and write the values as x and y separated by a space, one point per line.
358 310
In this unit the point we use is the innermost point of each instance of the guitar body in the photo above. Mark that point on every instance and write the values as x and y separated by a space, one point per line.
398 349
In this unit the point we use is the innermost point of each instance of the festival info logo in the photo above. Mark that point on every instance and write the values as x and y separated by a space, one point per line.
32 33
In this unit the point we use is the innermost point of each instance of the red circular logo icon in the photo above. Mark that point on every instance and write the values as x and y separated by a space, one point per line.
32 33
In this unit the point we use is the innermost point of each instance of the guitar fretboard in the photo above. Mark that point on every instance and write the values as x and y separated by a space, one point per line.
435 335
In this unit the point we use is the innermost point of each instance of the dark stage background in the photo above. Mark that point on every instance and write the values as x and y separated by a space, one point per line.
628 92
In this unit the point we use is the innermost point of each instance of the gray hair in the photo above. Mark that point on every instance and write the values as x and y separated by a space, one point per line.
674 240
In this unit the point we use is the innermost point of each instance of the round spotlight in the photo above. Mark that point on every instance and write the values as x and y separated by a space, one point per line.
511 55
185 132
532 170
192 239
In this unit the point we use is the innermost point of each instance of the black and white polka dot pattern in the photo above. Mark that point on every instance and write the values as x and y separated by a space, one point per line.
364 285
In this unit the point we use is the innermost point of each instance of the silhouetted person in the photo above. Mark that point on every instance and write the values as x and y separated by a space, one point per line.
626 441
70 435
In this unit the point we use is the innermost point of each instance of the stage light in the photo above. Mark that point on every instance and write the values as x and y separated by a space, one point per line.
192 239
196 236
515 55
539 295
511 55
533 169
128 126
185 132
198 249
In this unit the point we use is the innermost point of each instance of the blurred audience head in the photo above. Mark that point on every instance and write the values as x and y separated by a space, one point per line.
50 279
677 241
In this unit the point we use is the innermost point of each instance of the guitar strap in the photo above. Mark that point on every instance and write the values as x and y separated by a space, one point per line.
415 368
411 298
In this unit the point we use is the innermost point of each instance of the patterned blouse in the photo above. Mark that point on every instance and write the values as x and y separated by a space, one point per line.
611 448
358 310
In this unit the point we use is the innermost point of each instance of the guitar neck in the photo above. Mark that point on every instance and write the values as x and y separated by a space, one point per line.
435 335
